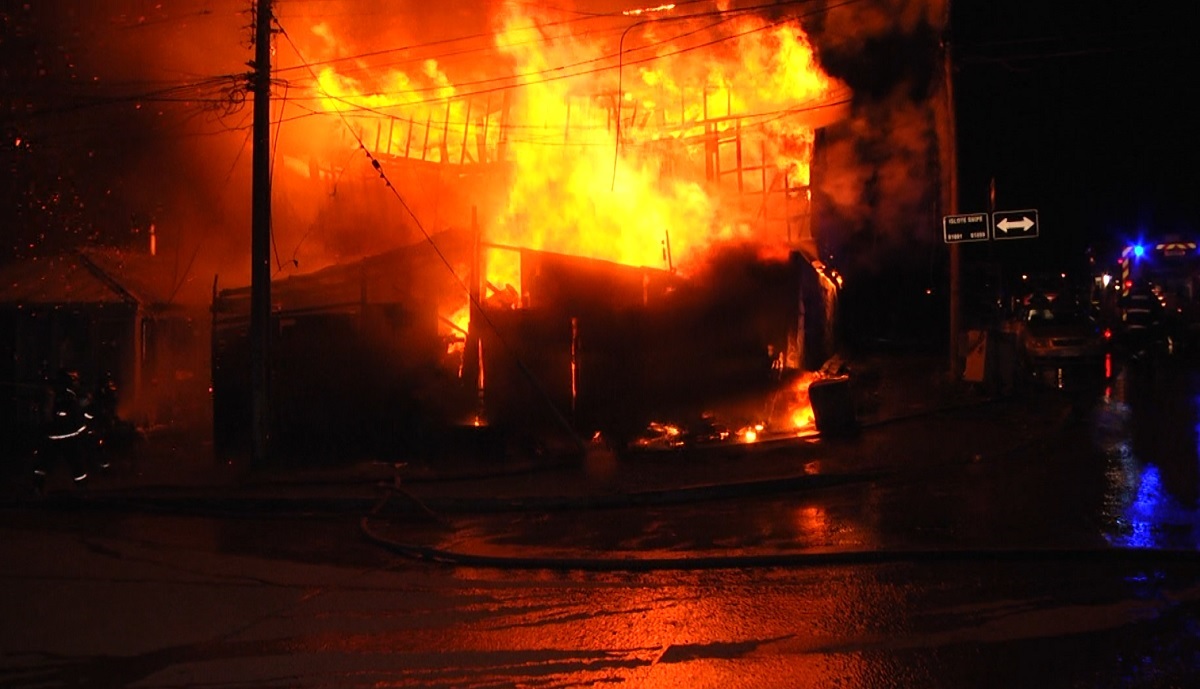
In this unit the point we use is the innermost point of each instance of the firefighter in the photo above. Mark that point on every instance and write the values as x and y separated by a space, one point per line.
104 424
67 416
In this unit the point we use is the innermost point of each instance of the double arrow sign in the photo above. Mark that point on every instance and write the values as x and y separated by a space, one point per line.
975 227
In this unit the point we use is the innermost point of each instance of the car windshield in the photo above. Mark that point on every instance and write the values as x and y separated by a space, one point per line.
1058 315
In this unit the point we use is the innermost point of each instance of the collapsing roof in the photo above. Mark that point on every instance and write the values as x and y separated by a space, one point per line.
424 271
95 277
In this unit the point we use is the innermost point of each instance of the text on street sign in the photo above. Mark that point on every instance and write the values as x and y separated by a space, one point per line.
969 227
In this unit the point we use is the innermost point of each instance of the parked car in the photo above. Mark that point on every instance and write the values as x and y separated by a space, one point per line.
1055 334
1142 328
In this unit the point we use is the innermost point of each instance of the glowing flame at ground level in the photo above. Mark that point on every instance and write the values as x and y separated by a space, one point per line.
786 412
789 411
800 411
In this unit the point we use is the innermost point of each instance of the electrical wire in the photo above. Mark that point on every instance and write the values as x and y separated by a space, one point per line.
274 152
188 92
554 73
478 307
165 19
199 92
485 36
387 182
359 108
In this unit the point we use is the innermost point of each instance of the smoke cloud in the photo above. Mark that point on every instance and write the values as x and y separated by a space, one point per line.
878 188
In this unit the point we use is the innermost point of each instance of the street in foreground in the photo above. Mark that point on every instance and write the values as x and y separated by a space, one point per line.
1071 563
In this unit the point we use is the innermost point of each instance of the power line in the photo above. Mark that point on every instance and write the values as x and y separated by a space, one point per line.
187 92
274 154
724 14
204 91
165 19
554 139
550 73
506 87
478 307
582 17
389 51
378 166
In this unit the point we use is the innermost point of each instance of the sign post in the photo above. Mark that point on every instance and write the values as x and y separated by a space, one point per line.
979 227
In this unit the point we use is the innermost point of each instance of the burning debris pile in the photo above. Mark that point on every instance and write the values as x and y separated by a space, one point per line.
786 413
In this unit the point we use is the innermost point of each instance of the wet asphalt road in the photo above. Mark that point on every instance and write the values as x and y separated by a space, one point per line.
1112 464
1095 595
180 602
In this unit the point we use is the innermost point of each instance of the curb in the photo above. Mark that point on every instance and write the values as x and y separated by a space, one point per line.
221 501
702 562
665 496
259 505
788 560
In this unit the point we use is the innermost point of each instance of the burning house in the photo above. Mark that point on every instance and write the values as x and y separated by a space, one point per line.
379 356
359 352
608 347
636 227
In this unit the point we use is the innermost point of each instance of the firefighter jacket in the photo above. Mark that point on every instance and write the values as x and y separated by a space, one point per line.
69 415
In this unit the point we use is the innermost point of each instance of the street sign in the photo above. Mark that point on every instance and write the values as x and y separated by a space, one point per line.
970 227
1015 224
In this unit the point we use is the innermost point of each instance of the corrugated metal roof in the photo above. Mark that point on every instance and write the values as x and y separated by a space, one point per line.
59 280
416 271
96 277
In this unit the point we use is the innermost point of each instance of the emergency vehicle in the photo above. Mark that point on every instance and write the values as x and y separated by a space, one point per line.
1158 293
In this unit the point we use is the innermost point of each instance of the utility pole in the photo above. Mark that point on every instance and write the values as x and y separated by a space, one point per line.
260 241
949 155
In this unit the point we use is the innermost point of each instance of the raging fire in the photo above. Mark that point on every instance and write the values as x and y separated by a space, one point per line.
646 139
639 142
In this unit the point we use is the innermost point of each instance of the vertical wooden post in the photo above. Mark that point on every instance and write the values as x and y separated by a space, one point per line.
949 148
738 139
425 144
444 145
462 156
260 241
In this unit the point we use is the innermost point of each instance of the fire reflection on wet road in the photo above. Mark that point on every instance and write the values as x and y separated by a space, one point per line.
242 621
187 601
1122 471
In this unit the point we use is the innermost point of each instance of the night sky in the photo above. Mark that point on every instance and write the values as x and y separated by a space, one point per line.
1084 111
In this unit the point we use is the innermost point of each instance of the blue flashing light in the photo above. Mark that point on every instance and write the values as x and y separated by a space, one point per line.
1139 250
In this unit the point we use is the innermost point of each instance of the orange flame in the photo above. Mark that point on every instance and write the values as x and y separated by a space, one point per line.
460 319
620 178
800 411
643 148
